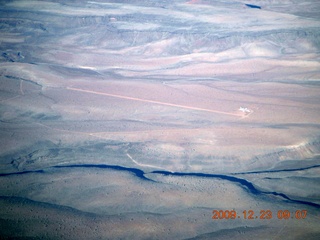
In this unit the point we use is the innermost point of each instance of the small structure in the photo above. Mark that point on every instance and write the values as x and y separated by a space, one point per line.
245 110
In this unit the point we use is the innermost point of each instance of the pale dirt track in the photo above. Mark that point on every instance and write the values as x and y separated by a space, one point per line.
154 102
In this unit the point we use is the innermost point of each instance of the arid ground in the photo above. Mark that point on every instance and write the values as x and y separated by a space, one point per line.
143 119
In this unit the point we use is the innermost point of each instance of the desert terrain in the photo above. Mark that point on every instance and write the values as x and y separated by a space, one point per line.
138 119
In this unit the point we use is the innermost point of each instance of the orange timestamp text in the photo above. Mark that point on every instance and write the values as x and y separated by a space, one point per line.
262 214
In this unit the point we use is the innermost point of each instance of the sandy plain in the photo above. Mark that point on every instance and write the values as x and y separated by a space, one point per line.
122 119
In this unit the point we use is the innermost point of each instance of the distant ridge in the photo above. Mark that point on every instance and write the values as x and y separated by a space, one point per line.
253 6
